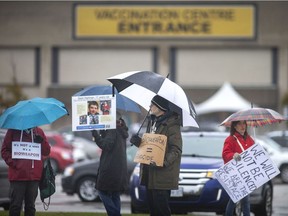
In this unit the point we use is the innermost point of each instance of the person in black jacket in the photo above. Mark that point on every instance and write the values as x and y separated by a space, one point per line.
112 176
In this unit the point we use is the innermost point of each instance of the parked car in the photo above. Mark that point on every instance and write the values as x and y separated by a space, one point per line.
4 182
66 131
281 137
62 151
60 158
277 154
201 192
87 149
56 139
84 147
79 178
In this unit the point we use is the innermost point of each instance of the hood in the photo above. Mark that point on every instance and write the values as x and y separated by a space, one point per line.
86 163
200 163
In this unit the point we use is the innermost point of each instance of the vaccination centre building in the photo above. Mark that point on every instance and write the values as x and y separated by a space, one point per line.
54 49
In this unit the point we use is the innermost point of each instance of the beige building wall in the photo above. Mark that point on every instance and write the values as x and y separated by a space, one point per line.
37 45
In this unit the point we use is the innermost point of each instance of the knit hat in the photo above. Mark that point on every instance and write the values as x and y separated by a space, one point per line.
160 102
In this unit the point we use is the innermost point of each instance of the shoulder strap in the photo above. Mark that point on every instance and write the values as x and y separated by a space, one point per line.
239 143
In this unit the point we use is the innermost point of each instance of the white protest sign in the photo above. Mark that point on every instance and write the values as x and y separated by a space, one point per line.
26 150
95 112
240 178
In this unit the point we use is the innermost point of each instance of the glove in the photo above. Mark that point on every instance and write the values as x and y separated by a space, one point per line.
135 140
95 135
153 164
237 157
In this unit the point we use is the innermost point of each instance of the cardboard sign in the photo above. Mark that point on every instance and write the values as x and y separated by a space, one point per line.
152 148
26 150
240 178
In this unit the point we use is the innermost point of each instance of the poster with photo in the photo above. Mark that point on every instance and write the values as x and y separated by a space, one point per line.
95 112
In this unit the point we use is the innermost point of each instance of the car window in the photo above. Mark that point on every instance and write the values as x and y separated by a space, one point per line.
281 140
270 142
209 146
51 141
131 152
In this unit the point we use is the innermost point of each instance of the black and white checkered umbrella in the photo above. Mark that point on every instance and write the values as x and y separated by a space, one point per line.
142 86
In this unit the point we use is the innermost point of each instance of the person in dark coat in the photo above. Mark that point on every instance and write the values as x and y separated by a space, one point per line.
159 181
112 176
24 174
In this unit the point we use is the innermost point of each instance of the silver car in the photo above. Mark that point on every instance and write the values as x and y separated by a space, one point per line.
4 182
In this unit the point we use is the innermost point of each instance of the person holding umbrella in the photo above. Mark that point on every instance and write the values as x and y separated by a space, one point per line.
159 181
112 172
238 141
24 174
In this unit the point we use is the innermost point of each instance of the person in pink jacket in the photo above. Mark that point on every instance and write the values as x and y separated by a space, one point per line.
238 141
24 174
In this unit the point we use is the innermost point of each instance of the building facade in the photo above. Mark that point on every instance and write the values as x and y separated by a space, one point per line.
54 49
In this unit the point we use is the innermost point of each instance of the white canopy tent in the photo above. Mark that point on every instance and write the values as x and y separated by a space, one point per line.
226 99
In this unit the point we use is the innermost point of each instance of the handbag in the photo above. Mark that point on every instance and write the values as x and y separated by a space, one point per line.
47 185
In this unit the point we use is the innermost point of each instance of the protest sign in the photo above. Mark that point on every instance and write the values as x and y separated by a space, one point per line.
26 150
240 178
96 112
152 148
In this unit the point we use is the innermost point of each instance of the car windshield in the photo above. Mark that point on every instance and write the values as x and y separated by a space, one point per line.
270 142
202 146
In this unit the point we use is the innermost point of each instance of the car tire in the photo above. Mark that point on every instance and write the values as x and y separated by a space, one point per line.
133 210
238 209
284 174
86 190
265 207
6 206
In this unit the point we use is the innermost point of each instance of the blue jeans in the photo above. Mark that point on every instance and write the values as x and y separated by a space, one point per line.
111 201
245 206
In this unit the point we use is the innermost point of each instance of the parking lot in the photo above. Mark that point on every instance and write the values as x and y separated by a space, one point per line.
60 202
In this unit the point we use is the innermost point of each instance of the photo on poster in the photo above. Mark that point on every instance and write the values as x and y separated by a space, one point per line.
95 112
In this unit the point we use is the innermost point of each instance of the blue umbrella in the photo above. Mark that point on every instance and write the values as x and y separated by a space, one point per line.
31 113
122 102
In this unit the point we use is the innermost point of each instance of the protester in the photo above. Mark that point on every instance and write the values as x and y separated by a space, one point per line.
238 141
24 174
159 181
112 176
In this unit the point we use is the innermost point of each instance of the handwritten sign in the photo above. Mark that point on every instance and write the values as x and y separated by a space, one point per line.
152 148
240 178
26 150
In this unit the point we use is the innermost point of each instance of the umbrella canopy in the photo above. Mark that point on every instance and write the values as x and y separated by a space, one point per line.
255 117
122 102
142 86
31 113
